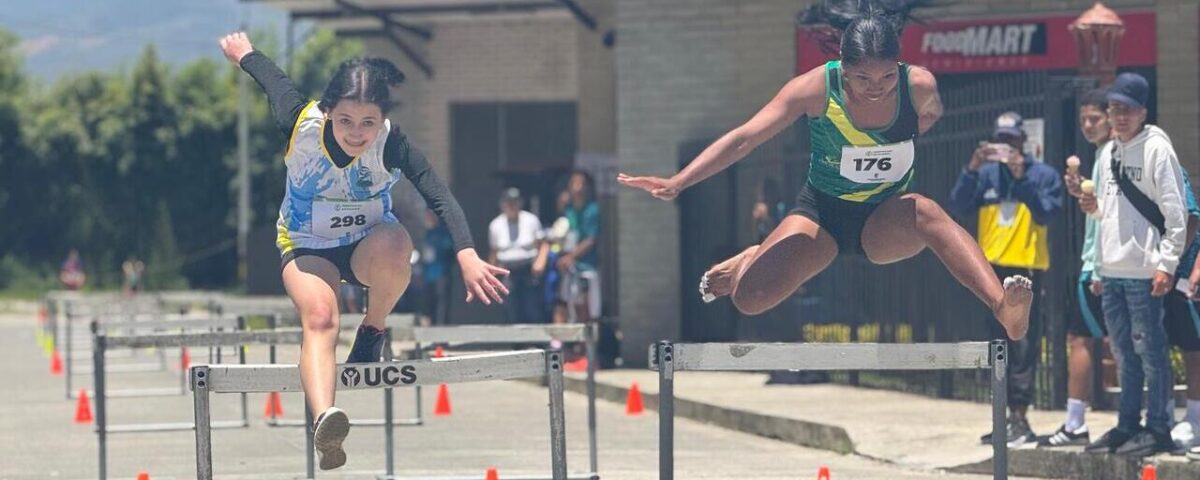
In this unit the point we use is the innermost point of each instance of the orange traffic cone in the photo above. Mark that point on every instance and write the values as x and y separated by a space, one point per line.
439 352
83 410
633 402
56 363
143 476
274 407
579 365
823 473
1149 472
492 474
185 359
442 407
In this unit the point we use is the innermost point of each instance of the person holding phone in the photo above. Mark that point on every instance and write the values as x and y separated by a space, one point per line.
1015 197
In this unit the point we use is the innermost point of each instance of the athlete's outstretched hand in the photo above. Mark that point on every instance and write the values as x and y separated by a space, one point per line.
480 278
235 46
660 188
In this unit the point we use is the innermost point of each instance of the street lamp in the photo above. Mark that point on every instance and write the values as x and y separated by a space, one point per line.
1098 33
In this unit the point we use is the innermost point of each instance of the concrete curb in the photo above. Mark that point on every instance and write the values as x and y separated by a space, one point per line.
799 432
1065 464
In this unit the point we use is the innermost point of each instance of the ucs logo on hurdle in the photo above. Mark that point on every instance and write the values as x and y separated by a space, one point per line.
375 376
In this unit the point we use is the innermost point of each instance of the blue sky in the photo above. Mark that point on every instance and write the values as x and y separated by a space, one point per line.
59 36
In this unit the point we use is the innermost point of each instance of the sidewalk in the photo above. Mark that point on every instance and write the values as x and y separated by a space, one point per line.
908 430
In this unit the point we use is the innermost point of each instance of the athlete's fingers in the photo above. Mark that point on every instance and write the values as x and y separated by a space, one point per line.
497 284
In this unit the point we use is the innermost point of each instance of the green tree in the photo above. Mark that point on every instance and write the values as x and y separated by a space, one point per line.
163 265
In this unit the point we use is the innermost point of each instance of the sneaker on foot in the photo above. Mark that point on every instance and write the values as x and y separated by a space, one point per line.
1063 438
1194 454
1109 442
1147 443
1183 435
1018 432
330 430
368 345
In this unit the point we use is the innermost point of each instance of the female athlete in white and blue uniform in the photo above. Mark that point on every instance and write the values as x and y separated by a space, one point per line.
336 220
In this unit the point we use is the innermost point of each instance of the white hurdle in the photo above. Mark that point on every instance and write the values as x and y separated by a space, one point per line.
209 379
667 358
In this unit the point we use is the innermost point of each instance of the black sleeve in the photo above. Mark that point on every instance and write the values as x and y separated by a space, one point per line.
398 153
286 102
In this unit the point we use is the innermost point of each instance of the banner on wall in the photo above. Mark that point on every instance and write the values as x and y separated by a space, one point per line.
997 44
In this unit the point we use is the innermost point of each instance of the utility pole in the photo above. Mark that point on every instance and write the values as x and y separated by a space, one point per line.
243 220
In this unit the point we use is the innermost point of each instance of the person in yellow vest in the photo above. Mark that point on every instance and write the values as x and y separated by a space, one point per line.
1015 197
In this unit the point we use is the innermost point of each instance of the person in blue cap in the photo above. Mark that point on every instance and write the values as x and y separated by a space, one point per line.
1139 204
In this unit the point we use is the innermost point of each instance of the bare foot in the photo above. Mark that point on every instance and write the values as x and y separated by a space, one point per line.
1013 311
718 281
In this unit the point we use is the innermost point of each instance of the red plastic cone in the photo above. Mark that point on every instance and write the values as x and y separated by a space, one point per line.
823 473
83 410
56 367
442 407
185 359
492 475
633 402
439 352
579 365
274 406
143 476
1149 472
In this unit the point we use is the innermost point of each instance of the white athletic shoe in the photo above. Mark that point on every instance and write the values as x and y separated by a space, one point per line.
332 427
1183 435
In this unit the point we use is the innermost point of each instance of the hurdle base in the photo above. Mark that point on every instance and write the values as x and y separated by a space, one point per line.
172 427
369 422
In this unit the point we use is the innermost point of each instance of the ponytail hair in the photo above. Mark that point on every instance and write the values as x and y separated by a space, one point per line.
362 79
863 29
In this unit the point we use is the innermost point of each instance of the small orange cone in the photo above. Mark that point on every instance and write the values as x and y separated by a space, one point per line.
274 407
143 476
823 473
579 365
185 359
442 407
439 352
83 411
633 402
1149 472
56 367
492 475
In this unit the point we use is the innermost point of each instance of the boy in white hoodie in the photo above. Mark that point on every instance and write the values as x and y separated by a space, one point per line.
1139 204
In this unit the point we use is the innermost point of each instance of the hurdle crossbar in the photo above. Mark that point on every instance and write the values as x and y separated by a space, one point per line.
667 358
208 379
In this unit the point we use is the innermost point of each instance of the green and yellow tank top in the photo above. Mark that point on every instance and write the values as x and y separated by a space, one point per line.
858 164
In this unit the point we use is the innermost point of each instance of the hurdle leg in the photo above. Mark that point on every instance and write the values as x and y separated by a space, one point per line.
558 431
202 419
241 327
389 434
590 335
98 393
666 411
999 356
309 444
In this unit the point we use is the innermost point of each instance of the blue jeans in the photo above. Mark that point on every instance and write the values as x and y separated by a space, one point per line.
1139 343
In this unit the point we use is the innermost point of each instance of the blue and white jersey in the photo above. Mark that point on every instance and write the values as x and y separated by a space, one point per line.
326 206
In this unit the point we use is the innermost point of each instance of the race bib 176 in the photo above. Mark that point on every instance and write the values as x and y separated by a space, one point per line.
877 164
